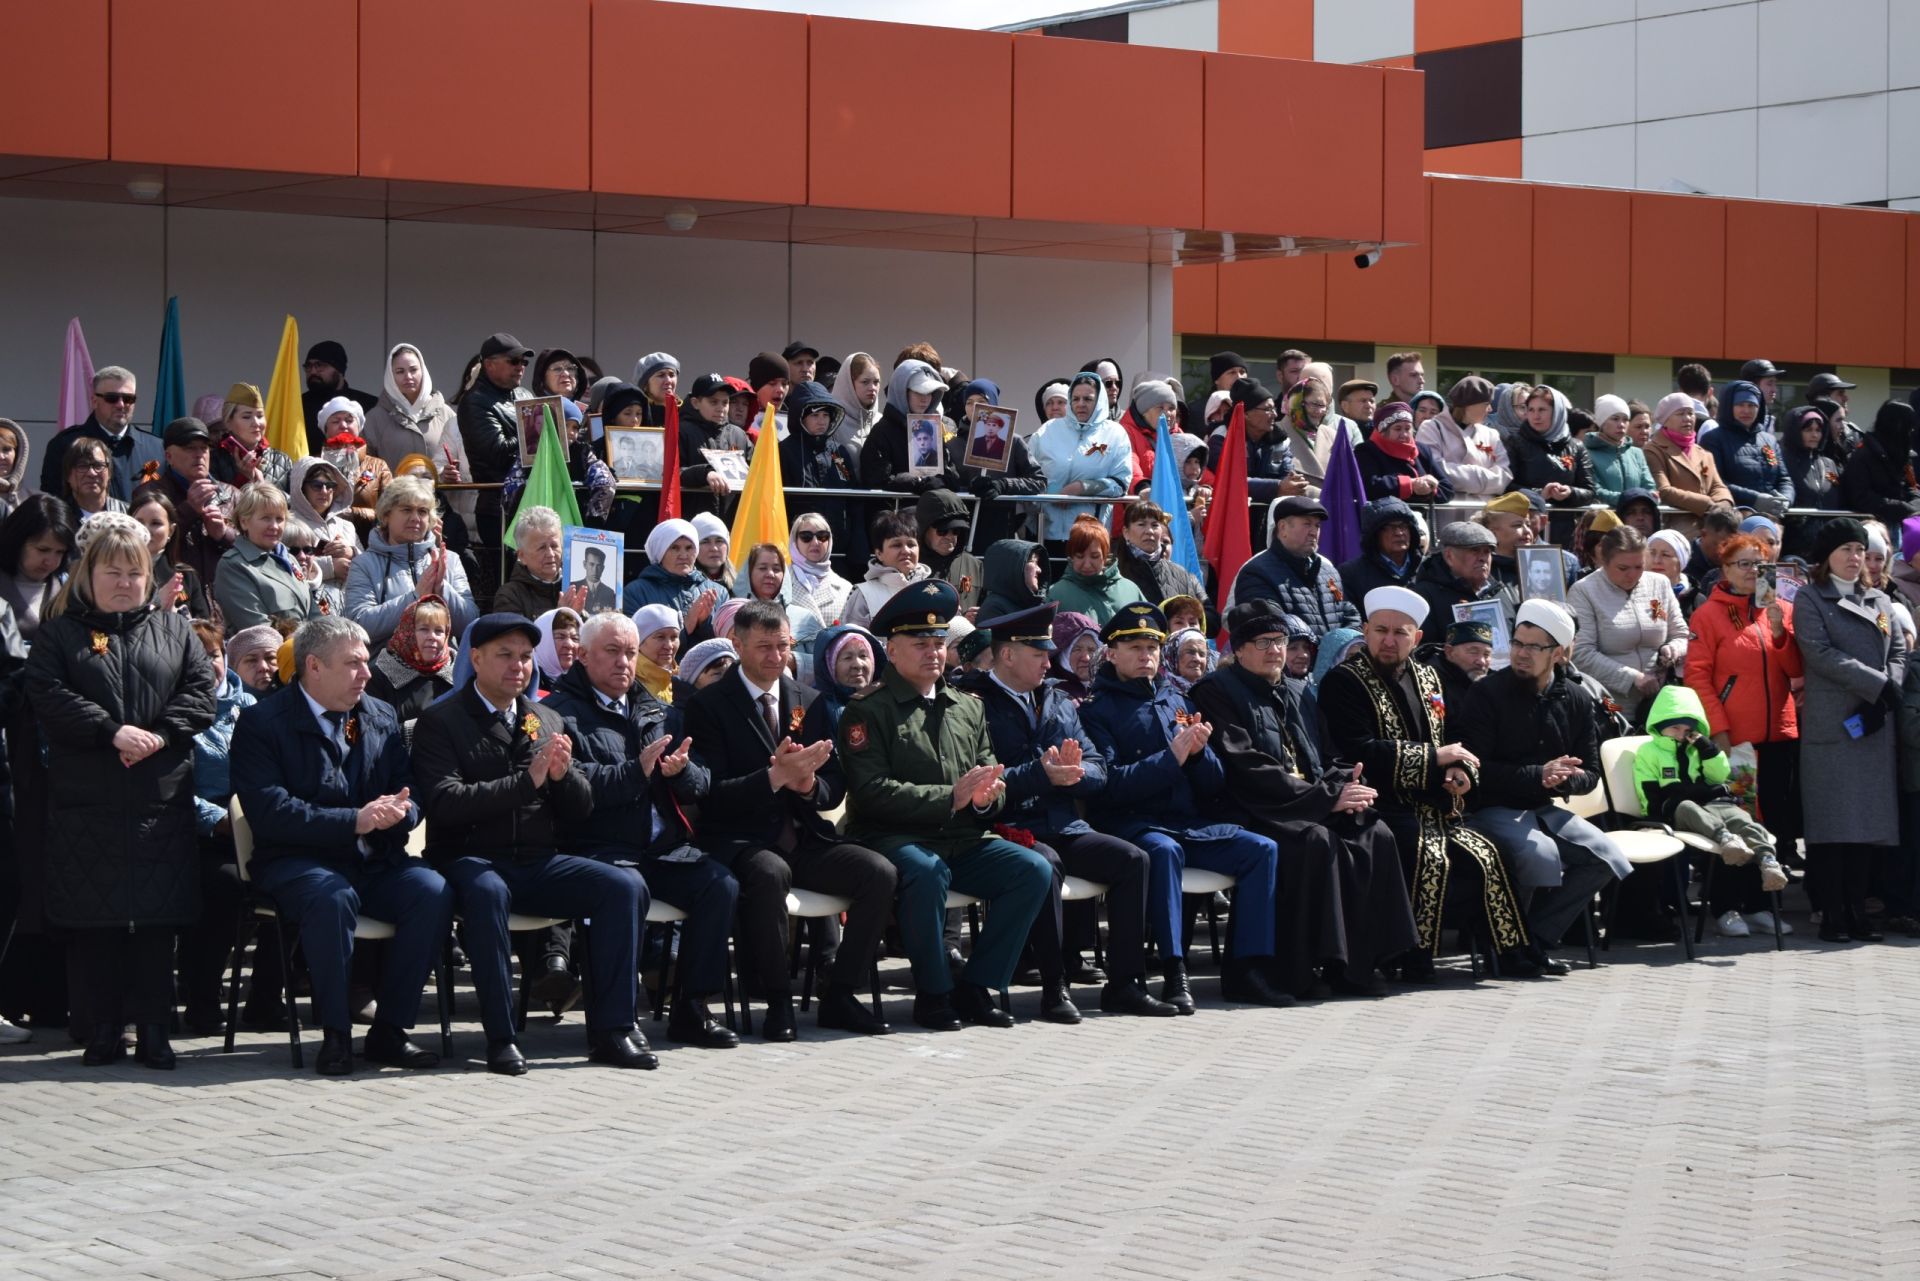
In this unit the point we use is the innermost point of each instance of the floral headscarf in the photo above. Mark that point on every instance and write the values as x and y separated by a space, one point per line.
406 647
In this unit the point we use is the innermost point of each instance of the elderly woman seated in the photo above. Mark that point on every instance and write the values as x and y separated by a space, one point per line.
405 561
259 580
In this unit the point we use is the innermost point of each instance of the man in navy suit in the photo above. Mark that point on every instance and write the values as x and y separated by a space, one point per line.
320 771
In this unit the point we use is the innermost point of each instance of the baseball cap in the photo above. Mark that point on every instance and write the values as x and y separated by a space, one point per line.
504 345
709 384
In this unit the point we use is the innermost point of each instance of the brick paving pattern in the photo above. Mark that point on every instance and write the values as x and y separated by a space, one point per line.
1751 1115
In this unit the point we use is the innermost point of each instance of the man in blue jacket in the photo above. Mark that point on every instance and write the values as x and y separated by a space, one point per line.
1050 764
1746 453
321 774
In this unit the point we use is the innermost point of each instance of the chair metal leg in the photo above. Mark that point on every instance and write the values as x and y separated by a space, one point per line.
243 934
1679 863
806 976
1213 928
1613 906
1779 935
293 1006
1591 919
1706 898
443 995
876 987
523 999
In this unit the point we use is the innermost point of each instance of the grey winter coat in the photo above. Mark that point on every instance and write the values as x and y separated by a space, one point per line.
381 584
1850 651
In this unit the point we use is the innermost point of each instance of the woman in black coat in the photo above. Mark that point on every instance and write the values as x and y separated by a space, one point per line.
120 689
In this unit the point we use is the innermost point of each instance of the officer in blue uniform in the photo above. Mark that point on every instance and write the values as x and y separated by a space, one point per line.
1159 771
924 790
1051 765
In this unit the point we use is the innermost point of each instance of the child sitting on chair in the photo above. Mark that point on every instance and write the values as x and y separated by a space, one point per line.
1681 775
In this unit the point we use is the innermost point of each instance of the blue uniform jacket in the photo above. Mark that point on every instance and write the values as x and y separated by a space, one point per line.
300 798
1132 723
1034 803
606 749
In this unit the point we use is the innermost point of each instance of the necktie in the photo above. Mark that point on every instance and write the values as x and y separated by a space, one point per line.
770 712
337 731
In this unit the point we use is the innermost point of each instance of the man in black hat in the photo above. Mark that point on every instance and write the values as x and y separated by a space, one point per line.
943 521
1463 655
1833 389
204 530
924 789
1462 572
1765 375
326 370
493 774
1292 573
488 424
801 360
1270 465
704 425
1224 368
1051 764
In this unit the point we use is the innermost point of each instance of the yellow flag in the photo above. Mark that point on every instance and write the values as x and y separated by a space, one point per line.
762 514
286 420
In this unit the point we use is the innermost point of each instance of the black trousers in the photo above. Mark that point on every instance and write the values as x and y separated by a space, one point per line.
122 975
1120 866
845 871
1840 874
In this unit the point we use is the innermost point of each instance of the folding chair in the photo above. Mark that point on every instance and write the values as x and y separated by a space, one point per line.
1076 889
1643 845
256 906
1194 880
809 905
665 915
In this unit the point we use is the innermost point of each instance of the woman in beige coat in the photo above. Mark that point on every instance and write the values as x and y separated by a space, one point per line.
1683 473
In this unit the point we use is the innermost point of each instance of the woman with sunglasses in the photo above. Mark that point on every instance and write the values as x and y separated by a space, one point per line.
817 595
319 504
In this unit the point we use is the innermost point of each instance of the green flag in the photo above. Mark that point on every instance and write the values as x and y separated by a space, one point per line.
548 485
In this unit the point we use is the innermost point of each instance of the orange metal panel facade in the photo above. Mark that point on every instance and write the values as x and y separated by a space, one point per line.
1580 238
1449 24
417 117
1772 278
1269 28
54 102
1913 293
1677 278
1196 300
1481 159
1862 285
204 84
1336 111
1277 297
956 89
1389 301
1403 194
1482 262
746 141
1056 119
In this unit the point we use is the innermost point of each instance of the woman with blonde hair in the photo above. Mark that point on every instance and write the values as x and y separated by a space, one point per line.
258 580
120 688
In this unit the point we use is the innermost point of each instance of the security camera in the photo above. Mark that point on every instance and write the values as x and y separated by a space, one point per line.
682 218
1367 257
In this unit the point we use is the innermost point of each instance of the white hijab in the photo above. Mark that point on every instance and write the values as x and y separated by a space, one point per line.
393 390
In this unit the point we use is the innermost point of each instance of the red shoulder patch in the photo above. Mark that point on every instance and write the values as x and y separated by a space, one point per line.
857 736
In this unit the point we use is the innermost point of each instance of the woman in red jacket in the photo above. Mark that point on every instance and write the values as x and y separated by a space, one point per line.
1742 663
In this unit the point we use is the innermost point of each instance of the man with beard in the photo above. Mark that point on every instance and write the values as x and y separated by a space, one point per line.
1463 657
1386 712
326 371
1343 899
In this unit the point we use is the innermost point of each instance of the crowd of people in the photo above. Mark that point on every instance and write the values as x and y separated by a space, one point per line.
198 631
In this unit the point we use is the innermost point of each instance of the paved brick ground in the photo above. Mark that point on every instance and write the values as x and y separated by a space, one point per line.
1752 1115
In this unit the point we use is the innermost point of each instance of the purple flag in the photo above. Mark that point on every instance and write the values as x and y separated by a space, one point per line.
76 379
1342 494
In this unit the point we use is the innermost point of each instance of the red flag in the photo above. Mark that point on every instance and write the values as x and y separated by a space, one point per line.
670 466
1228 544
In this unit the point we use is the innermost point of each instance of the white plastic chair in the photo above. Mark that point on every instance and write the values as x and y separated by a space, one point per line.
1198 880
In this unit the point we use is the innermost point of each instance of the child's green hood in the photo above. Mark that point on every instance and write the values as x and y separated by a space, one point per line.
1674 702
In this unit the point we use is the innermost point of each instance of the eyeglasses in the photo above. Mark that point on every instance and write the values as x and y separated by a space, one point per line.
1745 564
301 551
514 360
92 464
117 397
1272 644
814 536
1532 647
321 482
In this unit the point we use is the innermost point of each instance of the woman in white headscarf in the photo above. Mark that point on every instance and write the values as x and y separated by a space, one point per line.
856 389
413 418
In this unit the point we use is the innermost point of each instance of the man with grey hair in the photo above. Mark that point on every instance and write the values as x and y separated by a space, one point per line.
111 421
320 771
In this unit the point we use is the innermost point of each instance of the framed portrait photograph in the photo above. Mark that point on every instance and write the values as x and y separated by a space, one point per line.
1542 573
990 443
730 465
926 445
594 559
531 416
637 455
1494 615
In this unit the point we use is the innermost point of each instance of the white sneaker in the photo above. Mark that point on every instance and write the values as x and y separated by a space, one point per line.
1763 922
1731 848
12 1033
1731 926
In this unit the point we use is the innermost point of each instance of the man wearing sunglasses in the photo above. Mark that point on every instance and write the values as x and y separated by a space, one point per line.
488 425
111 421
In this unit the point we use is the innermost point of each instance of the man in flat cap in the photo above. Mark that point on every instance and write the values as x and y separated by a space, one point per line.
1536 732
1461 573
1051 764
923 789
1388 712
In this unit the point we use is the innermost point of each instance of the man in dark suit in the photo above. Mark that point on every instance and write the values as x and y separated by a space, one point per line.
495 776
641 773
762 818
321 774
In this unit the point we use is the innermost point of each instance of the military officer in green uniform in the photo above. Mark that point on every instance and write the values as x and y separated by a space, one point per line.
923 789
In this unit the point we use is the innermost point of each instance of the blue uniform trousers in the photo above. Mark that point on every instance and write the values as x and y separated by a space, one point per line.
326 900
1247 856
1013 881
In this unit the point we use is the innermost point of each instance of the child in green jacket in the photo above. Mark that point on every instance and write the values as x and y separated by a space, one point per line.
1681 775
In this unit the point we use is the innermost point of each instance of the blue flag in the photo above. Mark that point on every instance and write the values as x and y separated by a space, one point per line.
1343 495
1167 494
170 383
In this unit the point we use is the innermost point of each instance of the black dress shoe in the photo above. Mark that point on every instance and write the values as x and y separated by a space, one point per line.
618 1049
974 1004
691 1023
935 1013
1056 1006
1417 967
1174 989
336 1053
1515 963
1834 932
1863 931
392 1046
557 988
1130 996
505 1058
779 1023
153 1049
1248 985
844 1011
1540 957
1084 973
205 1022
1029 977
104 1046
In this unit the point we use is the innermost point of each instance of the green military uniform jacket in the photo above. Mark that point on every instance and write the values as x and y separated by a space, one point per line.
902 755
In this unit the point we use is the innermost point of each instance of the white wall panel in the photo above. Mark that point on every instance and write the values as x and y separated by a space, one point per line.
1577 79
1042 318
1661 8
1836 149
1903 45
1177 26
1821 48
1538 17
712 303
1360 30
1588 157
880 300
1696 63
1903 144
1714 154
